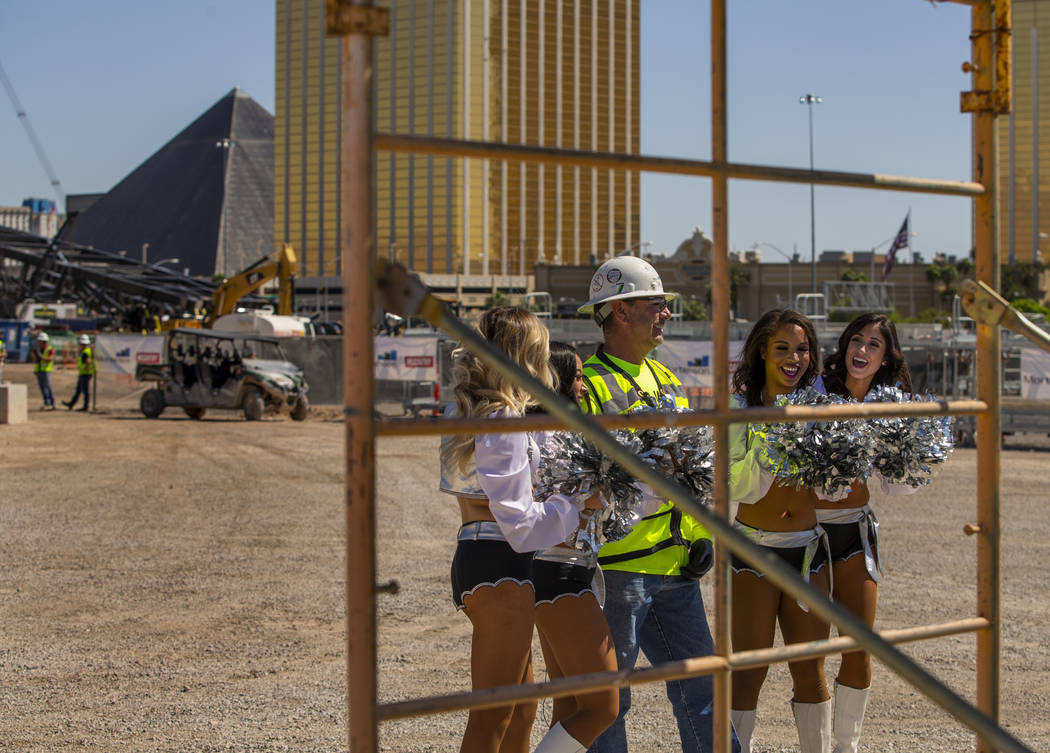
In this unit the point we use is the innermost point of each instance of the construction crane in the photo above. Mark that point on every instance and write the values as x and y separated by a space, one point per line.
20 111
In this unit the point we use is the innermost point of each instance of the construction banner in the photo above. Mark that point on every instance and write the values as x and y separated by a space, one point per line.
406 358
690 360
120 354
1035 374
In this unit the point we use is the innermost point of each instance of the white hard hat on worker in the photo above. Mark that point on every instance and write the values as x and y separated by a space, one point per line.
619 279
84 340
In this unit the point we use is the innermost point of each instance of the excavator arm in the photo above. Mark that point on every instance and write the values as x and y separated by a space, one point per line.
278 266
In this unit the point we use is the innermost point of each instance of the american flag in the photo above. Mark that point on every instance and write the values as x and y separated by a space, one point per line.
901 241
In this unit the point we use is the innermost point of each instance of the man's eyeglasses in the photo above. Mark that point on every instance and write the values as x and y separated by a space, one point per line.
656 301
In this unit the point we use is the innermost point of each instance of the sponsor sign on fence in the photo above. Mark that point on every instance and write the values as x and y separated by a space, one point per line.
690 360
120 354
1035 374
406 358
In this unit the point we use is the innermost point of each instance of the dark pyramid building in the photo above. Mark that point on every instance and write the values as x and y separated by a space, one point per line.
206 198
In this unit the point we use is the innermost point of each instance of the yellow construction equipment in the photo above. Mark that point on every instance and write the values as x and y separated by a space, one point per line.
278 266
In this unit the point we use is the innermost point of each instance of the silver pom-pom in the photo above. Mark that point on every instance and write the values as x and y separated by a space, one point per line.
572 465
622 496
569 465
908 449
827 456
686 454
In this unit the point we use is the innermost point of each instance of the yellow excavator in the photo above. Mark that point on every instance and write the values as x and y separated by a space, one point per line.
279 266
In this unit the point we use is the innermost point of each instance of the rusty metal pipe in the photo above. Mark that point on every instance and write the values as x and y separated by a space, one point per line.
358 387
723 617
989 375
765 656
507 694
677 670
654 419
394 142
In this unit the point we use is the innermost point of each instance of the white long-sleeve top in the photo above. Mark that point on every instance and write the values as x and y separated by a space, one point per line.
506 465
750 475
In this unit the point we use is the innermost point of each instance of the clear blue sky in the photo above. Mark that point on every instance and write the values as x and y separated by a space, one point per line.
106 85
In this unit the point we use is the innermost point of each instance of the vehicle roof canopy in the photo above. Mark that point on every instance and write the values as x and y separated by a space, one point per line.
199 332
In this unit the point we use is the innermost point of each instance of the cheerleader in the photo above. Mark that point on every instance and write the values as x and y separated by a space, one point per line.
573 633
780 356
868 355
502 525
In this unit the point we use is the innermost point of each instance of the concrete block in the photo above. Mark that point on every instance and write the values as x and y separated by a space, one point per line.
14 399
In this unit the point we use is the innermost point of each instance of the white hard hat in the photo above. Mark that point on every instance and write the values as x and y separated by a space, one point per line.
84 340
620 278
42 337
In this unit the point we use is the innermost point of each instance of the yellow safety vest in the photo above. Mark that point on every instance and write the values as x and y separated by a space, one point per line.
659 543
45 360
86 362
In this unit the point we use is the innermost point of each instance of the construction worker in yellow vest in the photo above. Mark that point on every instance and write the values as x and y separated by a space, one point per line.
43 356
85 370
653 600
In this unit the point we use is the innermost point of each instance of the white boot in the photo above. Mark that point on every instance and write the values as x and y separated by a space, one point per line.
813 721
744 726
849 715
557 740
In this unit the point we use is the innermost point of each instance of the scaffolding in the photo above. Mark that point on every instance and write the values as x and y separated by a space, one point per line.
358 23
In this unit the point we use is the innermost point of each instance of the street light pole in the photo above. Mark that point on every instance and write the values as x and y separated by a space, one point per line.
810 100
225 144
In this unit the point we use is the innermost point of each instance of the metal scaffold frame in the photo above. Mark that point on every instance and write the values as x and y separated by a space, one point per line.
358 23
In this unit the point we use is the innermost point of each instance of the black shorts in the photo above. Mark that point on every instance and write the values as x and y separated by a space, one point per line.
794 556
555 579
845 540
487 563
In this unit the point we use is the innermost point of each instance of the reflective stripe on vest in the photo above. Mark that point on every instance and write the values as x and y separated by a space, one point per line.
86 362
610 392
659 543
42 364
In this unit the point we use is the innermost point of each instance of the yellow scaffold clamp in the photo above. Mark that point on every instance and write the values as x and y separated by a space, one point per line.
986 306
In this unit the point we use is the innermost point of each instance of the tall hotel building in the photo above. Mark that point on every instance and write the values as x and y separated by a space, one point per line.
1024 139
558 73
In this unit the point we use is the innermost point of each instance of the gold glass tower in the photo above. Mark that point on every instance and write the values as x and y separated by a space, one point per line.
1024 139
560 73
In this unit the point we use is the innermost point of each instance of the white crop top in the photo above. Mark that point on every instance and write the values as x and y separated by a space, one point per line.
504 467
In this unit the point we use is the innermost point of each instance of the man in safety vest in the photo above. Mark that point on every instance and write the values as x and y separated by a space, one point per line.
43 363
85 370
653 600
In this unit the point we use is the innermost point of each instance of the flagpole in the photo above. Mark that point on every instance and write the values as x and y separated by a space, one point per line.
911 271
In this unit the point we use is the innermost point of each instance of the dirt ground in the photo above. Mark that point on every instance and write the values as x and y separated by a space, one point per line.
178 585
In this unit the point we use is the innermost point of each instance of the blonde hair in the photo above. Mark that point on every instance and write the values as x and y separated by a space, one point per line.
480 390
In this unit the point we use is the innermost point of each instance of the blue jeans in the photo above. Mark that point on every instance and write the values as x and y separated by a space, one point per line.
83 387
663 615
43 378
